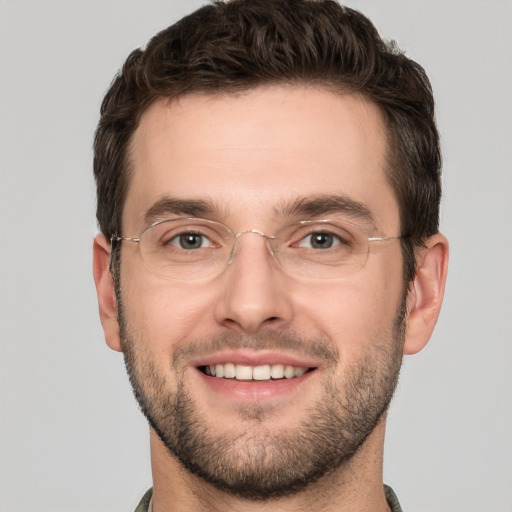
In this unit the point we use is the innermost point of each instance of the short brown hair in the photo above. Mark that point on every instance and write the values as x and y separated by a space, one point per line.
241 44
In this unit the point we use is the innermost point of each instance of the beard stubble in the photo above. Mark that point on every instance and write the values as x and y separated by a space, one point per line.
257 463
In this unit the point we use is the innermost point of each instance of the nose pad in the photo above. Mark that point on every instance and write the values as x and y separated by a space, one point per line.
267 238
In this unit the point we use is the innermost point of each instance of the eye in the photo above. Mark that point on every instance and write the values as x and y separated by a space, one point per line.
320 240
190 241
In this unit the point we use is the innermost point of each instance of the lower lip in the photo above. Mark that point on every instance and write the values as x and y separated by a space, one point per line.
253 391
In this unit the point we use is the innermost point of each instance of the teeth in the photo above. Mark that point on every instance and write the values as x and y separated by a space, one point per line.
229 371
299 372
243 372
263 372
277 371
289 372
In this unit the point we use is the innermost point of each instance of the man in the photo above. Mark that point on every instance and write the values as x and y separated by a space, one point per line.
268 180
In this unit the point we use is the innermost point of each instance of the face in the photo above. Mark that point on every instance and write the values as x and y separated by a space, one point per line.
261 160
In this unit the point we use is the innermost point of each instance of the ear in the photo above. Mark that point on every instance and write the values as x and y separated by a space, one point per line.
105 291
426 293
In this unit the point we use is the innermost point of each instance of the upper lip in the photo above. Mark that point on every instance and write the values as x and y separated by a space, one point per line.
254 358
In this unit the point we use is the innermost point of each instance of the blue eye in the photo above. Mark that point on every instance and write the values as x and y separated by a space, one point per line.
320 240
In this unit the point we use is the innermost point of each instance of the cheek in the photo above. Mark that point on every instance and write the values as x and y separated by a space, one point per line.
355 314
161 313
347 314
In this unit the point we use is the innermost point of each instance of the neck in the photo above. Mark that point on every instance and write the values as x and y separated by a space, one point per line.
353 487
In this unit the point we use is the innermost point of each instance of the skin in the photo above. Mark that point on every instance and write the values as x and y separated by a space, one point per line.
251 153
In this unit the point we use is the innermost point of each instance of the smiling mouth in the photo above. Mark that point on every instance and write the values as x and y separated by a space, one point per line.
264 372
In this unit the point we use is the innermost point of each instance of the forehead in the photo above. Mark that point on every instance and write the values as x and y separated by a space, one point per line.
254 152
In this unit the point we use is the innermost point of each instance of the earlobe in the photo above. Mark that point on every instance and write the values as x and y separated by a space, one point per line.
105 291
426 293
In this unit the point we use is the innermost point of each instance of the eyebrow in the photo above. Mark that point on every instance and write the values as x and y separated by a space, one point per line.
174 206
330 204
303 207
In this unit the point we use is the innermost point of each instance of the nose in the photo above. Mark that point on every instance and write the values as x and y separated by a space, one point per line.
255 294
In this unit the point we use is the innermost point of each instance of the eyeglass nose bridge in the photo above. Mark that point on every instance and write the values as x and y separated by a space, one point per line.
257 232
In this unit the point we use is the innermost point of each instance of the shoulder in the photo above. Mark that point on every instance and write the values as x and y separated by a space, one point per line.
143 506
392 499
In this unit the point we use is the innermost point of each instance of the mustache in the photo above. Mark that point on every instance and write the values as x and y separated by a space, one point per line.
317 347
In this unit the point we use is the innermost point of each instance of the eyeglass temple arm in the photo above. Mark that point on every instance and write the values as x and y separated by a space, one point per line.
114 239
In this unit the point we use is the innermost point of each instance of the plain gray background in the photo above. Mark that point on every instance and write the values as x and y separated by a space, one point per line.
71 437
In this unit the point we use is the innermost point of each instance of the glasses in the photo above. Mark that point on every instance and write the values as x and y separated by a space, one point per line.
192 248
